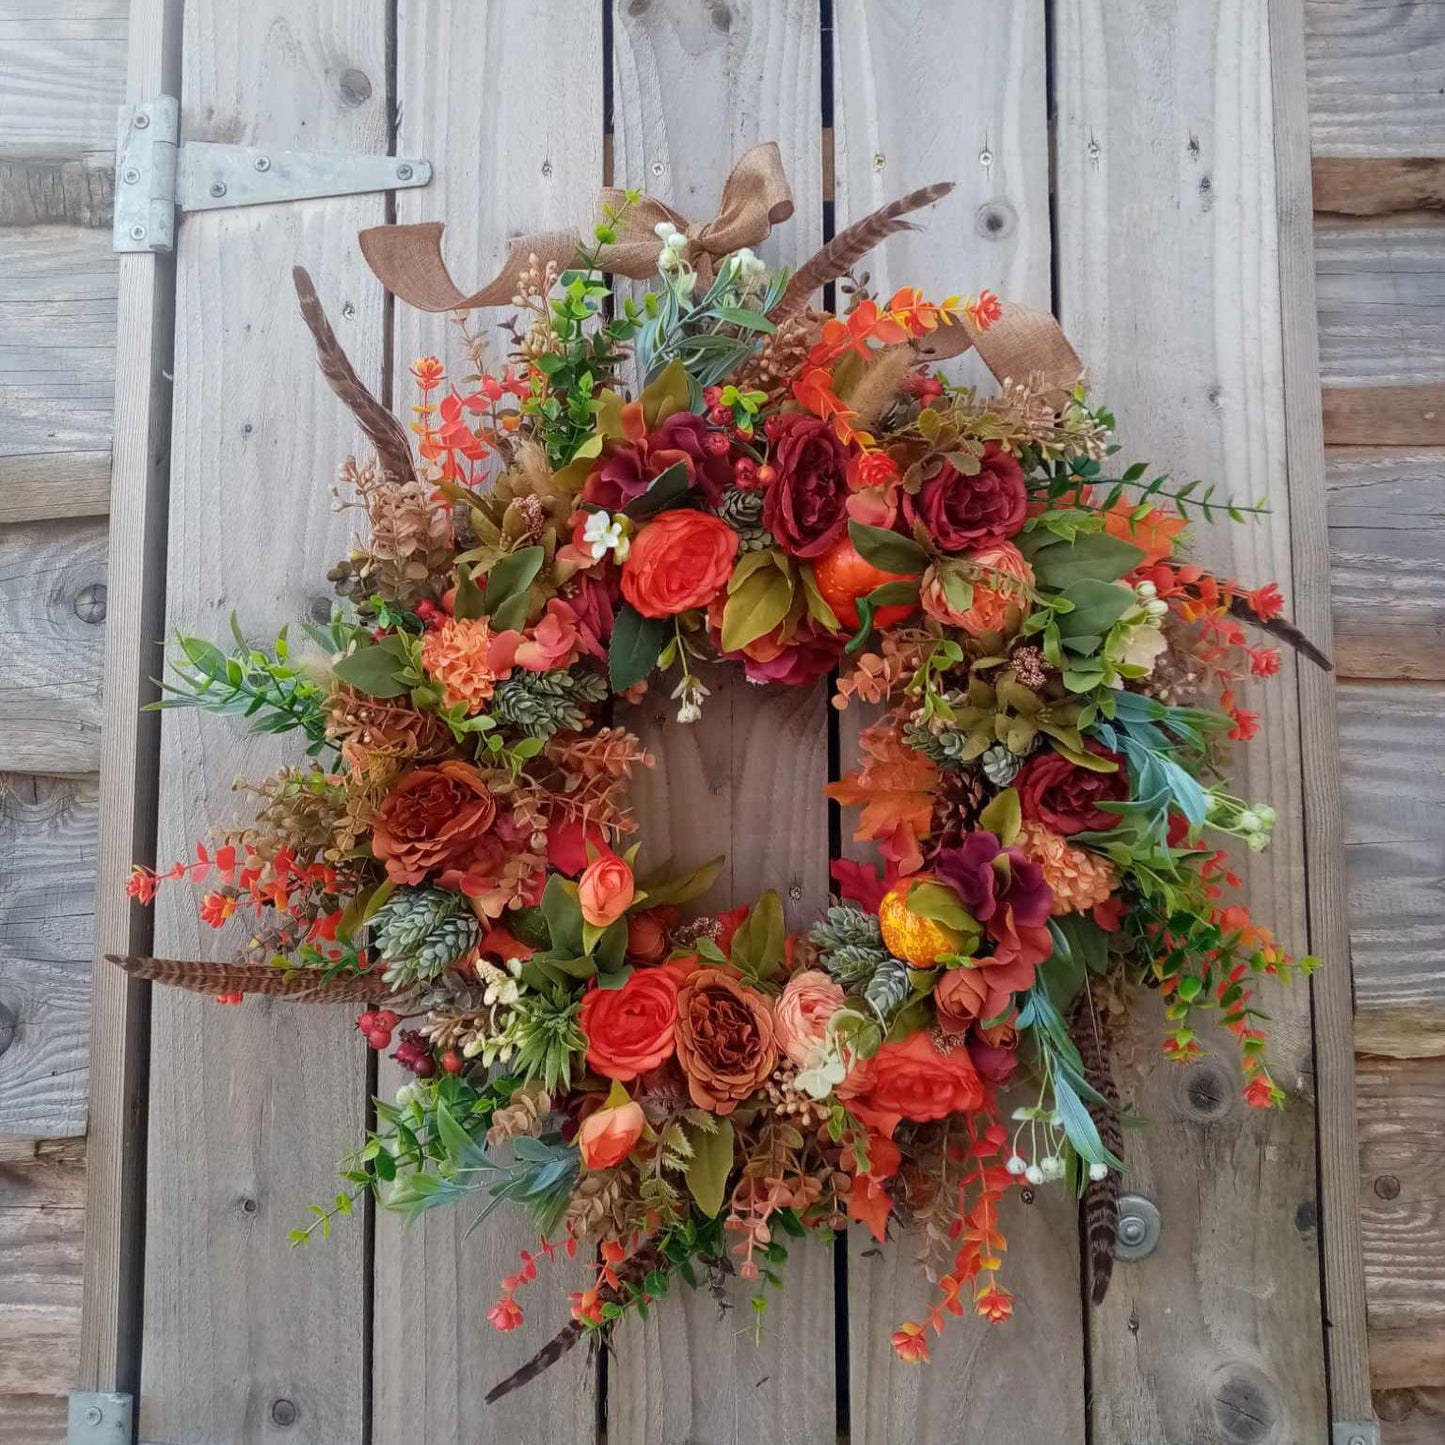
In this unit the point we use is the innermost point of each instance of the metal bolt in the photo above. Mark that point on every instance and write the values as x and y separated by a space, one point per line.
137 233
1358 1440
94 1415
130 175
90 603
218 188
1095 150
283 1412
546 168
879 161
142 120
657 168
1137 1233
348 310
795 892
262 163
985 158
247 427
403 173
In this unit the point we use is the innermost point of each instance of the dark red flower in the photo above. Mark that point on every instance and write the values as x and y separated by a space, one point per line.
806 505
961 513
629 463
1065 797
987 877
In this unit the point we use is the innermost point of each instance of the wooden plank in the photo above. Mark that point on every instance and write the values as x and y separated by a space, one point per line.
993 230
1375 70
1402 1218
110 1326
249 1107
1387 562
52 601
1377 186
1381 295
1342 1273
508 158
42 1224
1164 148
57 370
62 75
693 87
1390 760
33 1420
1385 416
48 837
1411 1417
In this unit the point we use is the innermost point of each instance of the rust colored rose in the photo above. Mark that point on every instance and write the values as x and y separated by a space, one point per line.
435 820
1065 797
647 934
806 505
678 561
630 1030
607 1136
605 890
725 1040
961 513
912 1080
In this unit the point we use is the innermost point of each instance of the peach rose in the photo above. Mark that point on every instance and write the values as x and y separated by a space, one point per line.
678 561
801 1015
964 996
607 1136
552 642
605 890
1000 591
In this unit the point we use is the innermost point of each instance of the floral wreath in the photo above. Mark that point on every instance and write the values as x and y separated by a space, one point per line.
800 493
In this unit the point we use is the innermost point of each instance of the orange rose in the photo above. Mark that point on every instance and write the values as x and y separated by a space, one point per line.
912 1080
681 560
964 996
725 1040
605 890
434 820
630 1030
607 1136
801 1015
1000 591
647 935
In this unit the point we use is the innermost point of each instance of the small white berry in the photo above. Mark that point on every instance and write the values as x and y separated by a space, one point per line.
1052 1166
1146 590
663 229
1266 814
1156 607
1250 821
1016 1164
1098 1171
1034 1174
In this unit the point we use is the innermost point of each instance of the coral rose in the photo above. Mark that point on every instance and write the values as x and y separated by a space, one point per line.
962 513
1000 591
553 642
806 508
678 561
607 1136
1065 797
725 1040
630 1030
801 1015
605 890
433 821
912 1079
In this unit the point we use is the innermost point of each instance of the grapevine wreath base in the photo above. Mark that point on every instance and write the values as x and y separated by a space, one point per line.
720 472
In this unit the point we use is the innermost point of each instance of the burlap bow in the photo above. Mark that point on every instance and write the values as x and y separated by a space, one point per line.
755 198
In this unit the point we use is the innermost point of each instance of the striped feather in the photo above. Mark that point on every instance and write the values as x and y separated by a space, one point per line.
1101 1196
382 429
1282 628
849 247
294 985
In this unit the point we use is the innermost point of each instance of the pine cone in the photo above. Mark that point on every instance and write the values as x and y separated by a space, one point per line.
958 800
781 355
420 932
542 703
743 512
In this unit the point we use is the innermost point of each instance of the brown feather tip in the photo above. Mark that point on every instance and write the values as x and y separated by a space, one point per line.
1282 628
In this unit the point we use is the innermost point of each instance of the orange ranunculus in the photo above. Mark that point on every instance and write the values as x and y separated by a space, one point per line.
801 1015
607 1136
912 1080
605 890
631 1030
678 561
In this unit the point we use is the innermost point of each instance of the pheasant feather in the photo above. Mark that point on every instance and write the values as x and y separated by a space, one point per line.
1101 1196
297 986
1282 628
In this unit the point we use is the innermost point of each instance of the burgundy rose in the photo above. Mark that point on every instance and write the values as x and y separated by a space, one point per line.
989 877
1065 797
961 513
683 432
993 1062
629 464
805 507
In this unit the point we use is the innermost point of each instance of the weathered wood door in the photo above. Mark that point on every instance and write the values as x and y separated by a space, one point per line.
1117 162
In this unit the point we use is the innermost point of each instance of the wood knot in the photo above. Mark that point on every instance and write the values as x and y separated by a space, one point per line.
1245 1404
995 221
284 1412
318 608
1387 1186
355 86
1205 1092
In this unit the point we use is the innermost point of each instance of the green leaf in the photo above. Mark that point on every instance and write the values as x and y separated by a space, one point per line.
819 608
888 550
1002 817
757 946
507 583
1097 606
685 886
563 914
710 1165
460 1145
636 642
758 605
1091 556
666 393
372 670
665 488
938 903
468 602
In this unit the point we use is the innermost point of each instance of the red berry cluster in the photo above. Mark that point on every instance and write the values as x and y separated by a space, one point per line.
414 1054
377 1025
428 613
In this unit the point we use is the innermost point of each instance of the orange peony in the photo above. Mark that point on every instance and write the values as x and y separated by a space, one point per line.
468 659
725 1040
1079 879
912 1080
607 1136
435 820
801 1015
678 561
1000 591
605 890
630 1030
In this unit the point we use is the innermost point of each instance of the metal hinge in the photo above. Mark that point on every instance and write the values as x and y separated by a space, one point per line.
157 174
1356 1432
100 1417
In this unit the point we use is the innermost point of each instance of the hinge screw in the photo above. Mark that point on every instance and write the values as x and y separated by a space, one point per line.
262 163
1358 1440
142 120
130 175
403 173
218 188
137 233
94 1415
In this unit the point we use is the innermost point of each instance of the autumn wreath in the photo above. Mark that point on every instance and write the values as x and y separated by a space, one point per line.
718 471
